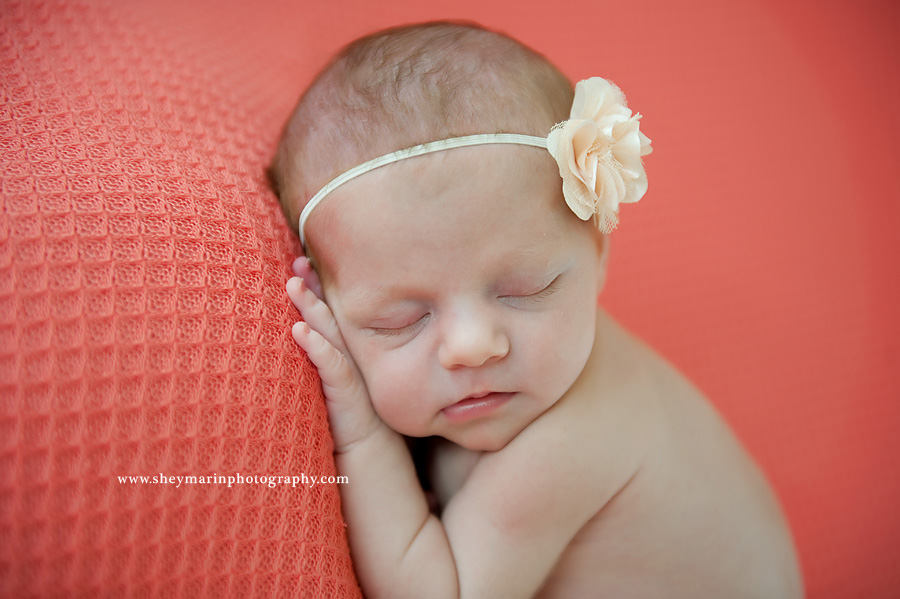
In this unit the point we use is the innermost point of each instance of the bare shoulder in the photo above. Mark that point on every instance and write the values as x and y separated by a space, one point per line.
697 517
631 485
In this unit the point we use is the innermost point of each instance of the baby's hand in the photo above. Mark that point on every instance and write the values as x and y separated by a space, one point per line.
350 411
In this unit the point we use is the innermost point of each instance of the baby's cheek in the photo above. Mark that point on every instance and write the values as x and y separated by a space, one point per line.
394 386
561 358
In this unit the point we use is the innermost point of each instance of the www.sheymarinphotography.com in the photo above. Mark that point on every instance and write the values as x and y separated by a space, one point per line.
233 479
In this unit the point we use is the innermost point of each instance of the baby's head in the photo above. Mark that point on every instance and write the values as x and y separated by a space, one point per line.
410 85
464 286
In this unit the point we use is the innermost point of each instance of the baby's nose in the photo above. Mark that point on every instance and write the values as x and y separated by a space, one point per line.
472 340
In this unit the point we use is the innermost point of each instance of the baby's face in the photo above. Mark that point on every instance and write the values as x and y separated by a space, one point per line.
464 288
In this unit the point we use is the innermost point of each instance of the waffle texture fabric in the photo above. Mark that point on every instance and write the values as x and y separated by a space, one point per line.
144 328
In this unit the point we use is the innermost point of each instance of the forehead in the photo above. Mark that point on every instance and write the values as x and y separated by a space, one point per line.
467 205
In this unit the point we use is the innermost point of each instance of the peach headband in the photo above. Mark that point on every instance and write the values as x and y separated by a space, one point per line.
598 150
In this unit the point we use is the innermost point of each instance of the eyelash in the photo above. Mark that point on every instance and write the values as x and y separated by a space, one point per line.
388 332
536 296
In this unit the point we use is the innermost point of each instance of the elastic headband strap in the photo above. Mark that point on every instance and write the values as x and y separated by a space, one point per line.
433 146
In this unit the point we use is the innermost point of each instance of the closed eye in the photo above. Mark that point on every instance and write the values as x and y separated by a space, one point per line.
538 295
393 331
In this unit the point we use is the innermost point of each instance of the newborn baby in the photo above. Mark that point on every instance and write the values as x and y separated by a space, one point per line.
455 200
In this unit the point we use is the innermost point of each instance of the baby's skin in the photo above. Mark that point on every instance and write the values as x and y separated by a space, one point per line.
455 295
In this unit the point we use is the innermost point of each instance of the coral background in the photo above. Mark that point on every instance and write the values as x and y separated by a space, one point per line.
764 262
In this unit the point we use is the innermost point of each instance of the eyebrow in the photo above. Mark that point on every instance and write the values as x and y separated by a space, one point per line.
366 296
363 303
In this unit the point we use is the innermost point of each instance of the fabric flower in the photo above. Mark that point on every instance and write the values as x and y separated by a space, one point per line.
599 153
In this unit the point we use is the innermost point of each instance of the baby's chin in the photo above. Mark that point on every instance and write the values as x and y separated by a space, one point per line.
481 444
485 437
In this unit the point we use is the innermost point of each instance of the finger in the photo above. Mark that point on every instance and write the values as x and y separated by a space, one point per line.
315 312
301 266
303 269
350 410
340 382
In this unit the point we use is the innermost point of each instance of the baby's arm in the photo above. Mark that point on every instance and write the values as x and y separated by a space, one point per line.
500 535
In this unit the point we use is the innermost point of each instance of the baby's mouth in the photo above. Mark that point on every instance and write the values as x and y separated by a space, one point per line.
476 405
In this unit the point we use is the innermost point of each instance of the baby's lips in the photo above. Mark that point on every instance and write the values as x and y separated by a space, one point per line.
470 408
473 395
